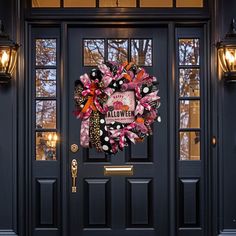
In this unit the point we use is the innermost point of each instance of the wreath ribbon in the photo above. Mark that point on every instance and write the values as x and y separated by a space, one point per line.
122 134
143 103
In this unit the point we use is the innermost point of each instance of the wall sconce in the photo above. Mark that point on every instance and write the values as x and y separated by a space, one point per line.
227 54
8 55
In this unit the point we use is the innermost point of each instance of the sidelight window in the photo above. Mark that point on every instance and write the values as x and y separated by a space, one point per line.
189 98
45 94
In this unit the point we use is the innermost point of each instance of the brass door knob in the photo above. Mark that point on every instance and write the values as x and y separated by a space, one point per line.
74 148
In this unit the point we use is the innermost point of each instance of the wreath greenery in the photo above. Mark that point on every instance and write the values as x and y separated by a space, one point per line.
117 104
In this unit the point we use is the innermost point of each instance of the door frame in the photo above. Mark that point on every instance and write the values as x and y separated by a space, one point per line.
170 98
25 100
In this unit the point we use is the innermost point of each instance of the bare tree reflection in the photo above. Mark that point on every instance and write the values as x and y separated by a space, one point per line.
93 51
45 82
141 51
189 82
118 50
189 51
190 145
46 114
46 52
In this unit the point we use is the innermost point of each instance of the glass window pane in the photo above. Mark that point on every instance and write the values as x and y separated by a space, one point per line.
46 52
189 83
118 50
46 143
117 3
46 3
4 56
141 52
189 3
12 62
189 51
46 114
156 3
45 83
189 145
79 3
93 52
189 114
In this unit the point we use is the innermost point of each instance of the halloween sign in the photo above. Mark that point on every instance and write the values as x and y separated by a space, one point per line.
117 103
121 107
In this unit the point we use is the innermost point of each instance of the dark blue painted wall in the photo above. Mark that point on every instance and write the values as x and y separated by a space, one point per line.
8 118
8 133
227 161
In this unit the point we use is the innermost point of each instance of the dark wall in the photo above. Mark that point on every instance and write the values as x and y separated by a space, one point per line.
229 12
8 118
8 133
227 161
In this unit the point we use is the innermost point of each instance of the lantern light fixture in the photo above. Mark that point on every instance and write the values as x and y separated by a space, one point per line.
227 54
8 55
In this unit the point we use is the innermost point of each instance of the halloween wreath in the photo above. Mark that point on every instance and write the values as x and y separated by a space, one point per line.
117 104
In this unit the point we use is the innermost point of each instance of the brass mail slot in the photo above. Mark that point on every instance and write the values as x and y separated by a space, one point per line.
118 170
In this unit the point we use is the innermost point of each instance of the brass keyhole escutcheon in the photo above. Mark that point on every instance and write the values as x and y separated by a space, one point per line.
74 148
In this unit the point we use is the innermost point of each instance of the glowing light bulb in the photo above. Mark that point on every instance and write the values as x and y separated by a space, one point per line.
55 137
229 57
50 137
4 58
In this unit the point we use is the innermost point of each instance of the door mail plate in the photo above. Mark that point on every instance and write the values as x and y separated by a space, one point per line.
119 170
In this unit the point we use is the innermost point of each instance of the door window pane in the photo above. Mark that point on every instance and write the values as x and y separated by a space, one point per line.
189 114
93 52
141 52
189 3
46 114
46 3
46 52
156 3
45 82
46 143
189 51
189 145
79 3
118 50
117 3
189 83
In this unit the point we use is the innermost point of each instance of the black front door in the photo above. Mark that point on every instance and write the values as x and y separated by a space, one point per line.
119 205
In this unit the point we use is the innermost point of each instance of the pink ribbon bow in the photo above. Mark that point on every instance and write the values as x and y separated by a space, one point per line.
94 92
85 80
142 128
143 103
121 134
83 115
107 75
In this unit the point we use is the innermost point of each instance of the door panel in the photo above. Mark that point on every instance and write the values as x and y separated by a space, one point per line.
120 205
